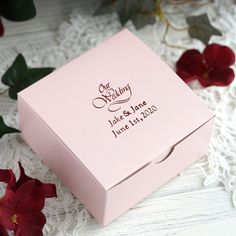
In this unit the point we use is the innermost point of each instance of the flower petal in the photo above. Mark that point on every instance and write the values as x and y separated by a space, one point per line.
49 189
11 183
5 175
218 77
23 177
216 55
7 209
190 65
1 28
31 197
3 231
31 224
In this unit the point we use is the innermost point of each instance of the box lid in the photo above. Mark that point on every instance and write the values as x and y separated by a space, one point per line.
116 107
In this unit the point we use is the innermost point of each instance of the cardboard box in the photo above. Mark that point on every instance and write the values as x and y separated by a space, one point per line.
114 124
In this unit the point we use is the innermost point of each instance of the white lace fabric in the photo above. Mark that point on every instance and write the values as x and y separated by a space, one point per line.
65 215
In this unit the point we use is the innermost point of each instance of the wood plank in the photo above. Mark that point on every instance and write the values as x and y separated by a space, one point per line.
169 215
50 14
220 227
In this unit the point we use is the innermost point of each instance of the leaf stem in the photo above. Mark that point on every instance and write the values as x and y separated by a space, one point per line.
203 4
179 2
158 11
164 40
175 28
176 2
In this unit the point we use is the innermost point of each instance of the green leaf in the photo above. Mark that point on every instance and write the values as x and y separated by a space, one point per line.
141 12
141 20
127 10
201 28
17 10
19 76
107 6
35 74
4 129
12 92
17 70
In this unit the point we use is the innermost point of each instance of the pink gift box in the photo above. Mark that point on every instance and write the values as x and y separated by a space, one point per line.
114 124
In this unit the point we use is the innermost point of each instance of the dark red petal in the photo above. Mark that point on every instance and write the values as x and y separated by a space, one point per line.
218 77
216 55
23 177
1 28
7 209
5 175
31 197
3 231
49 190
190 64
12 182
17 231
191 78
31 224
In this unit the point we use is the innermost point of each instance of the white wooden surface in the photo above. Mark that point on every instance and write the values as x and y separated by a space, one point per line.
183 207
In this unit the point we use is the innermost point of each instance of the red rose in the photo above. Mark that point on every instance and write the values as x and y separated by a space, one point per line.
21 206
212 67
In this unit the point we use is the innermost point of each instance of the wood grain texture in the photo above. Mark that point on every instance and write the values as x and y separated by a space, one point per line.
50 14
183 207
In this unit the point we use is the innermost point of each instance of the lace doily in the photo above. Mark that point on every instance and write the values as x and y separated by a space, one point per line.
65 214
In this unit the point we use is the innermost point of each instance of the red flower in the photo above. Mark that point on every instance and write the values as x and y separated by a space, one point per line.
1 28
212 67
21 206
3 231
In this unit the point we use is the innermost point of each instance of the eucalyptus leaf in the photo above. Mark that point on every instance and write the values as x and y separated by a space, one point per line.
17 10
5 129
19 76
200 28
